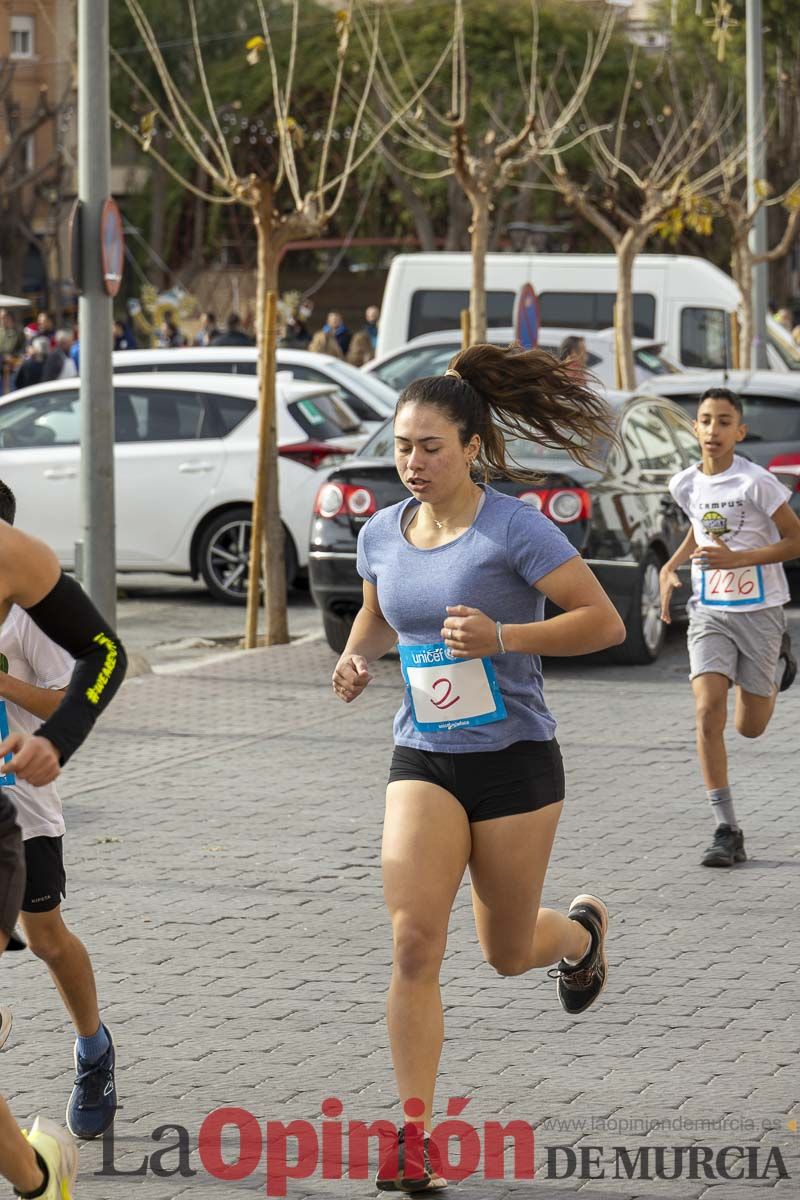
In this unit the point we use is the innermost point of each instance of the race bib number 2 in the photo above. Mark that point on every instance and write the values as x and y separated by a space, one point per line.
732 588
450 693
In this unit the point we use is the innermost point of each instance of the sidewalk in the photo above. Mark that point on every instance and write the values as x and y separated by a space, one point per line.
224 833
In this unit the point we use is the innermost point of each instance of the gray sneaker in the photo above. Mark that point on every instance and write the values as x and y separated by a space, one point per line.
726 849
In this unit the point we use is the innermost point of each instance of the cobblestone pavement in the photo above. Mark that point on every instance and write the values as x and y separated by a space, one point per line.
224 828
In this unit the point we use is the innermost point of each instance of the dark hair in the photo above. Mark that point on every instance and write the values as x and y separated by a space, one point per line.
508 392
8 504
211 316
569 346
722 393
234 321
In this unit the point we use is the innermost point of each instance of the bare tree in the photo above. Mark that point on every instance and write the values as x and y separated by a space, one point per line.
501 147
732 203
289 197
18 181
653 165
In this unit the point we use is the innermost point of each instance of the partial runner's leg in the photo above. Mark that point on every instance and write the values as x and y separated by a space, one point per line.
507 869
69 964
426 846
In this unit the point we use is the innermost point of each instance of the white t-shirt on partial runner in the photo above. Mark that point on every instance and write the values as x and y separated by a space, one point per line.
34 658
736 505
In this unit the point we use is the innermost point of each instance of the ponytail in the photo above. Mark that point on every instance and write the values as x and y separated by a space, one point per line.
505 392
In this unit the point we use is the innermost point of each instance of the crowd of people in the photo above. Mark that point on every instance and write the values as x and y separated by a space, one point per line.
38 352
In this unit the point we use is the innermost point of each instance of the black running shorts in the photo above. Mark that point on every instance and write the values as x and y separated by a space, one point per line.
46 882
489 783
12 867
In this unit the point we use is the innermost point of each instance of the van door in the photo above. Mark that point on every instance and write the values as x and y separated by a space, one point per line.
703 336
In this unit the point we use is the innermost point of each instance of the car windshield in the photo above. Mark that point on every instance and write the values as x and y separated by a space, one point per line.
528 454
416 363
323 417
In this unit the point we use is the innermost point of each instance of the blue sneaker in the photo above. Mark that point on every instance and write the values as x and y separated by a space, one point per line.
93 1103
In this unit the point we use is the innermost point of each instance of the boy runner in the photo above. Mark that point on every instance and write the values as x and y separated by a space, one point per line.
34 672
742 530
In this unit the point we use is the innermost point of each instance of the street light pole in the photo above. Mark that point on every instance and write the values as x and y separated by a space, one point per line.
756 170
97 554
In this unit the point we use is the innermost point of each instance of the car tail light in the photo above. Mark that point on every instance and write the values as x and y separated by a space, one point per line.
313 454
562 505
344 500
787 465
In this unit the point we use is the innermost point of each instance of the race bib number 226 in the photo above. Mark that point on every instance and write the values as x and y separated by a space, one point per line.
732 588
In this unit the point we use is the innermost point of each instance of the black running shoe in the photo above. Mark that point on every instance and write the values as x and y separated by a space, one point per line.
726 849
790 670
392 1176
580 984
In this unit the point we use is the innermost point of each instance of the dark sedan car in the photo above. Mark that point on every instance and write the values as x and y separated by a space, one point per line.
620 516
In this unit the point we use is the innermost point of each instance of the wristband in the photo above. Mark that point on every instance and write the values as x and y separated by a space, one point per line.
498 625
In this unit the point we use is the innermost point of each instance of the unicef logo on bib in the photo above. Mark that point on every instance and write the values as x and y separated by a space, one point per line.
450 693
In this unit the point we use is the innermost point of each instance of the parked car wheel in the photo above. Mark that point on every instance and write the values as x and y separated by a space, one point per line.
646 630
337 630
224 555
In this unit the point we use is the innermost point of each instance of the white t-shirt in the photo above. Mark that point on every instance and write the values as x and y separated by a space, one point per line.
32 657
736 505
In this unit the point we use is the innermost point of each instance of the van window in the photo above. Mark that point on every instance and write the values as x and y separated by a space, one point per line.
704 337
595 310
432 311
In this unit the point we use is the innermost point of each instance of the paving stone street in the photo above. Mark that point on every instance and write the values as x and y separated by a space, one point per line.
223 870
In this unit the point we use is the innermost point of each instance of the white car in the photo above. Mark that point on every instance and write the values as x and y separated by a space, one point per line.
430 353
184 460
369 398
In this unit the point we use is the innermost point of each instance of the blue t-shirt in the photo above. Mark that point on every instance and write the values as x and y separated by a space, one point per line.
492 567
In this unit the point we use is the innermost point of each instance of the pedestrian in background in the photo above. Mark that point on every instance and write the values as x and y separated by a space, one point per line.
123 336
208 329
372 316
335 325
169 335
234 335
32 366
59 364
361 349
573 352
325 343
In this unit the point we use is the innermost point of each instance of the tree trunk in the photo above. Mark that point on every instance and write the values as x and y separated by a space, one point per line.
627 249
457 216
479 244
277 628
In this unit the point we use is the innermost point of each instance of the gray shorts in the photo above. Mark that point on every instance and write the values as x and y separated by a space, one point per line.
12 868
745 646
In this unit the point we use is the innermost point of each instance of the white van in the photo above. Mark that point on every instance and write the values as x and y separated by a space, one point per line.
682 302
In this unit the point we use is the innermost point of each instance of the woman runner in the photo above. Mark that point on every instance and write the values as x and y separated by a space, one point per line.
458 575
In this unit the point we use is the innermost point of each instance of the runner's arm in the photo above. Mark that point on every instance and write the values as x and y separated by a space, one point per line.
31 577
370 638
371 635
40 702
668 578
788 526
588 622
